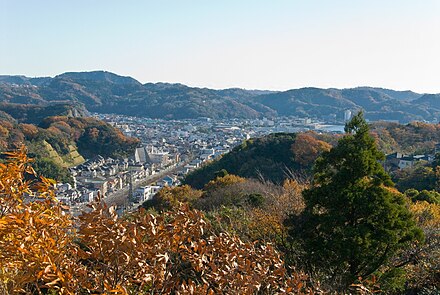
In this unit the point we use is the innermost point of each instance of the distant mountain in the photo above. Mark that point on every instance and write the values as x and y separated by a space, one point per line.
19 80
98 76
23 80
401 95
106 92
378 104
429 100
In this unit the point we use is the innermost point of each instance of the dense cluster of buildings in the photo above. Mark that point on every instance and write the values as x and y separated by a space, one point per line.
169 149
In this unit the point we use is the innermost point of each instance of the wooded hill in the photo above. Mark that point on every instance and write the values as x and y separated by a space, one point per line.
277 157
346 232
106 92
58 142
346 226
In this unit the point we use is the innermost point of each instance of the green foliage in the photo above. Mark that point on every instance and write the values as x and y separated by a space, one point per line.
269 157
419 177
354 220
50 169
432 197
255 199
436 161
392 281
221 173
60 141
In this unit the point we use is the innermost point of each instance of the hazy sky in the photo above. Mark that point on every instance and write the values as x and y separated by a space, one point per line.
255 44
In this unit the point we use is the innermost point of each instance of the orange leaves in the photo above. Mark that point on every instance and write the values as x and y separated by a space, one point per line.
41 249
29 130
173 253
35 241
223 181
307 148
12 182
427 215
34 235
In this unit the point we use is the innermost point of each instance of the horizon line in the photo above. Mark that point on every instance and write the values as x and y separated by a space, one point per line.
223 88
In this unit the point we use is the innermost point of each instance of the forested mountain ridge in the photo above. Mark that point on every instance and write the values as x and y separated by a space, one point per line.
105 92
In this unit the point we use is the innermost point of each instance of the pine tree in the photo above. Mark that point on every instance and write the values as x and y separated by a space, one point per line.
354 219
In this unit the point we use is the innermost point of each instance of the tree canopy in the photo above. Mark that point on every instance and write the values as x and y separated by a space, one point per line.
354 220
270 157
43 250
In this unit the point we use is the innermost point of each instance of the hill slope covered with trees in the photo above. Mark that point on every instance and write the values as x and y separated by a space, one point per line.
269 157
348 228
59 142
106 92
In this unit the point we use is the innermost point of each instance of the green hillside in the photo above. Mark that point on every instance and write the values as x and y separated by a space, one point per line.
270 158
105 92
59 142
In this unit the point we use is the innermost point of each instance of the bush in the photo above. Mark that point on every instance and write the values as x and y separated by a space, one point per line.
174 253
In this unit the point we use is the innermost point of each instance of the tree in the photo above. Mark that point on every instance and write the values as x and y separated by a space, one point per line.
44 251
307 148
354 220
423 269
432 197
36 244
169 198
51 169
419 177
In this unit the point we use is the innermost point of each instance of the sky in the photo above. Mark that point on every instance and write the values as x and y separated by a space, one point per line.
253 44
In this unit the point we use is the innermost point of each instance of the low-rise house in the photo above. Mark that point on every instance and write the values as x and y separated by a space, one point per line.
400 161
68 197
168 180
97 185
62 187
143 193
115 183
87 196
406 162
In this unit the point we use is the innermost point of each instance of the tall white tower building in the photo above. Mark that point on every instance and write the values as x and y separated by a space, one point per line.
347 115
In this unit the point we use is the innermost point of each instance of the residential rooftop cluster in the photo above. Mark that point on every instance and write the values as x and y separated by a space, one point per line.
169 149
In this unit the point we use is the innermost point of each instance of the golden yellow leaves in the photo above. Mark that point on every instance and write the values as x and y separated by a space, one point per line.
34 236
426 214
42 250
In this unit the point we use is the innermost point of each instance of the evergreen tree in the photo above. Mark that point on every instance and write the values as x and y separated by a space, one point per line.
354 220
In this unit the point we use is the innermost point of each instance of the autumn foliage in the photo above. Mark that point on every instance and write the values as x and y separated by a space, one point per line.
424 259
307 148
35 236
42 250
